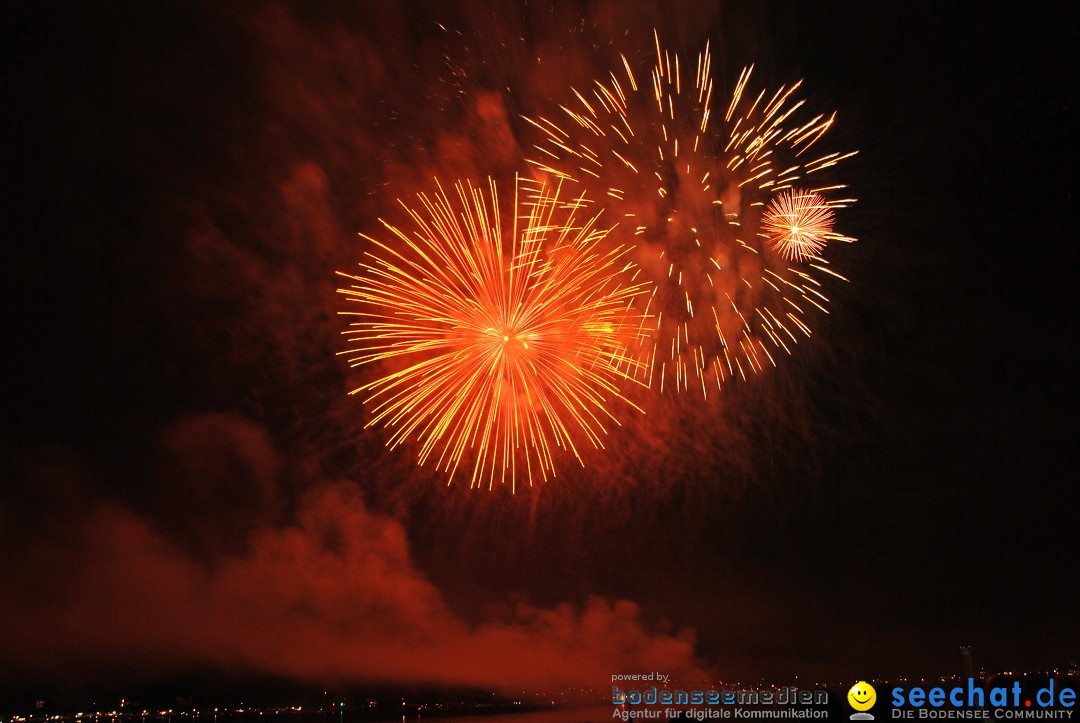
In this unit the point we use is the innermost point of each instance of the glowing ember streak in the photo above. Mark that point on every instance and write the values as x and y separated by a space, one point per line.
797 224
701 187
503 339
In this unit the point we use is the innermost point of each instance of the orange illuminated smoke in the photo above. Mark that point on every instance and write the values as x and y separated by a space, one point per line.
734 254
502 333
797 224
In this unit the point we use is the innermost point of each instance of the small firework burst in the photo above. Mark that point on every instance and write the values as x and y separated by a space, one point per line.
698 183
504 338
797 224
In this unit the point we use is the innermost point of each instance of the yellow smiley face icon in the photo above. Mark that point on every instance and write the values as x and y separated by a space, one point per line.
862 696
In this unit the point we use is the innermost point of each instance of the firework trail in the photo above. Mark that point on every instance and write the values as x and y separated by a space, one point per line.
730 216
507 339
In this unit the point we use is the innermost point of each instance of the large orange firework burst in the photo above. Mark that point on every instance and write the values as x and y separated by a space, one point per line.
503 339
734 250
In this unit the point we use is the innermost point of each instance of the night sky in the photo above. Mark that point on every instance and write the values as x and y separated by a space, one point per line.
186 485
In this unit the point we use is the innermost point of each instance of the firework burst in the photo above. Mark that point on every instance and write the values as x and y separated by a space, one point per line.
797 224
505 339
734 252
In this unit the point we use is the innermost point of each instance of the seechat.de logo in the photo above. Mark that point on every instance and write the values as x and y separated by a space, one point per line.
975 700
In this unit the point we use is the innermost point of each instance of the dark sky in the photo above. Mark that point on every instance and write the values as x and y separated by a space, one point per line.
186 485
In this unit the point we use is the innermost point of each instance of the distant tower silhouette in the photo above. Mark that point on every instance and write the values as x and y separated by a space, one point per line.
969 670
969 667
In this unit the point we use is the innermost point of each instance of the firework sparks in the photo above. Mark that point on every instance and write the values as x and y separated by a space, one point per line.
507 340
797 224
703 188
